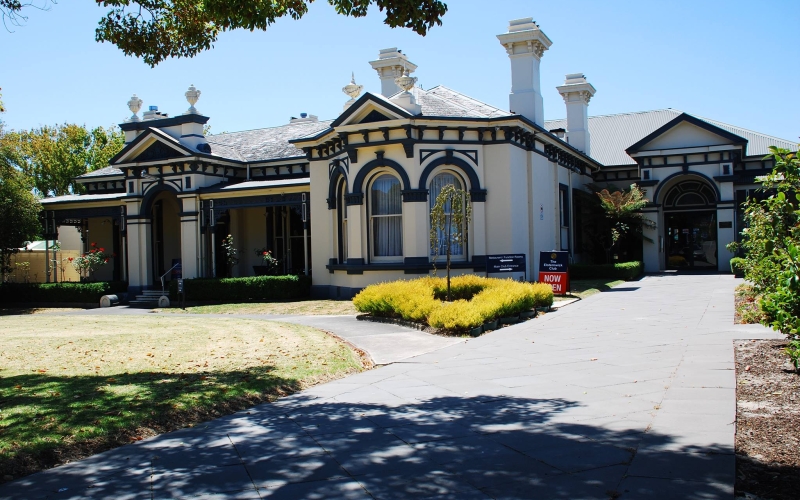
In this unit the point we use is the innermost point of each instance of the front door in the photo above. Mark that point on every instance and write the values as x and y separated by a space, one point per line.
691 240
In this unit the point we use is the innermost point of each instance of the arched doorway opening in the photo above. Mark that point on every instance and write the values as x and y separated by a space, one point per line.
690 225
166 235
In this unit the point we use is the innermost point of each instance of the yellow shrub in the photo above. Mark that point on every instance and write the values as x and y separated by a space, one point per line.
478 300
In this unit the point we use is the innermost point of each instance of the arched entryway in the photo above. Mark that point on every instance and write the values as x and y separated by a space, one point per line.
690 225
166 235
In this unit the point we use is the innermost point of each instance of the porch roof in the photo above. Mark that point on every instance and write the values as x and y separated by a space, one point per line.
72 198
246 185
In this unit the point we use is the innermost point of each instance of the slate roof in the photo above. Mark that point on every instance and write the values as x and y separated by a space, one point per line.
265 143
446 102
612 134
101 172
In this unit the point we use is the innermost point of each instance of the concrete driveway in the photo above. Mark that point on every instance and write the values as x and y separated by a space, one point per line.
627 394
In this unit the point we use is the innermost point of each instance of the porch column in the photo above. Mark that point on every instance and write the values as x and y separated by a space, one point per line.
140 264
726 216
190 243
652 251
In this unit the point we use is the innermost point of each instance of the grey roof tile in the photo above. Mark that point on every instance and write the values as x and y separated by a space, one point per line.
101 172
265 143
446 102
612 134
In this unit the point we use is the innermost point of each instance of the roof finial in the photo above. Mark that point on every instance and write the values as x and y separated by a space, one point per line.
135 104
352 90
192 95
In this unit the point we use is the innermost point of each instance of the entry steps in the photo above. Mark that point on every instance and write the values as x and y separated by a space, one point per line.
148 299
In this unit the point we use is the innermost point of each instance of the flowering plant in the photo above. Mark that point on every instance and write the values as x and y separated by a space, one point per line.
271 263
88 262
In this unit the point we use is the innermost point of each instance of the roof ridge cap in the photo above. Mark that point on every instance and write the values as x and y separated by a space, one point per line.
265 128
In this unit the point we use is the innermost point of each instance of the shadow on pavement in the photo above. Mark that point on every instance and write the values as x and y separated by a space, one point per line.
444 447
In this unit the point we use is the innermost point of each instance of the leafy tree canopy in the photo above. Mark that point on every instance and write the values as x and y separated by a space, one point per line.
157 29
53 156
19 213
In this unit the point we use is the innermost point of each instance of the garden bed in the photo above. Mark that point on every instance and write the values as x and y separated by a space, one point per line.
767 416
475 302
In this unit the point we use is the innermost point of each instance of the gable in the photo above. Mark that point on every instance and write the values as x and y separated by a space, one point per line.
150 146
685 135
686 131
370 108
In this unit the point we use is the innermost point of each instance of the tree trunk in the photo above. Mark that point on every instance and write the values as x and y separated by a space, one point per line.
447 240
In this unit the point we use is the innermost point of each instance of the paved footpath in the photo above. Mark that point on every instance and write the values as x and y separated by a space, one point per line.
627 394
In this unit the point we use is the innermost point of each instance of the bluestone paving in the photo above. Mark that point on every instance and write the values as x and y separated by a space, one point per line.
628 393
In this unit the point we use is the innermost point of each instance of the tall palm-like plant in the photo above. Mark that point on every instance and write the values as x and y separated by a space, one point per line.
623 210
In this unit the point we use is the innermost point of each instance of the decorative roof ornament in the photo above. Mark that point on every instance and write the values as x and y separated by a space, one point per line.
353 89
192 95
135 104
405 82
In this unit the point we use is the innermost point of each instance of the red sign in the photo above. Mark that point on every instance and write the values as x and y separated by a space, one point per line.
559 282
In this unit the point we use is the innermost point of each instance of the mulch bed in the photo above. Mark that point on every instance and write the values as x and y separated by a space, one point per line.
767 422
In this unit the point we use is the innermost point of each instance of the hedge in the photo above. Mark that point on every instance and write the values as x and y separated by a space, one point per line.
477 300
226 290
619 271
73 292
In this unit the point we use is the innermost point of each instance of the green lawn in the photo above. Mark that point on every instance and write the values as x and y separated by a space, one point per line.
75 385
304 307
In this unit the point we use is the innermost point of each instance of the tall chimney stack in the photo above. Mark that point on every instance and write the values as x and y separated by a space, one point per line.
525 44
577 93
390 65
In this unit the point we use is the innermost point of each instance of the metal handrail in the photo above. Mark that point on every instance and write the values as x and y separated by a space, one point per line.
163 290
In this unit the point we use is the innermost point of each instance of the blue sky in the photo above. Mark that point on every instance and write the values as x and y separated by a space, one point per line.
733 61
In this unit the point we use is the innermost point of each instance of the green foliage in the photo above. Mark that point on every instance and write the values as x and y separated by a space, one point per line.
243 289
478 300
793 351
158 29
53 156
19 214
737 265
622 270
88 262
771 244
83 293
622 210
450 217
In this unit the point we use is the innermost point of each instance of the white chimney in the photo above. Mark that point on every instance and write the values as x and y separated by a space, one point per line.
525 44
390 65
577 92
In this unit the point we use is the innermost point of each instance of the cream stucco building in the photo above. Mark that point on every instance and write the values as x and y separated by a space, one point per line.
348 200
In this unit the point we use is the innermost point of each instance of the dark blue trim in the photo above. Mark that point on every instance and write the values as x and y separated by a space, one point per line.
477 194
380 102
686 174
333 182
356 188
164 122
194 135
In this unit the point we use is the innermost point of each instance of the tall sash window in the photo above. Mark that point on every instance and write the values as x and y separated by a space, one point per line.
439 182
386 219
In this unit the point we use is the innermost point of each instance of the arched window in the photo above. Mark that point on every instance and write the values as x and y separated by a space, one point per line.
341 213
386 219
690 194
437 184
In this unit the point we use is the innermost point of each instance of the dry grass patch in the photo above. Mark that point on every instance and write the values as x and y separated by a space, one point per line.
75 385
15 311
303 307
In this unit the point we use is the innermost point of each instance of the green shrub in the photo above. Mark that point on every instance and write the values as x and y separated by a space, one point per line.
477 300
243 289
621 271
738 265
73 292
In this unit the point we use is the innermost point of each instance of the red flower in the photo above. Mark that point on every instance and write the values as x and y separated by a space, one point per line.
83 255
105 260
265 253
70 259
94 244
102 249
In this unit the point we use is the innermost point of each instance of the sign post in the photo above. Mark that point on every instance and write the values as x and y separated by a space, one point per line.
507 263
554 270
181 294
